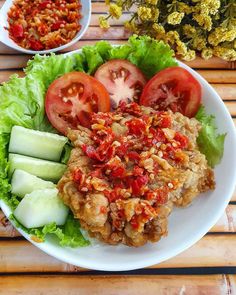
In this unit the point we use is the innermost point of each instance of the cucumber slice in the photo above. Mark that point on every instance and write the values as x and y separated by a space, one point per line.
41 207
23 183
42 168
36 144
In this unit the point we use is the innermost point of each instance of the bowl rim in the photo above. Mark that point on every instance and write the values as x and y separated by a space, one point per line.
45 247
78 36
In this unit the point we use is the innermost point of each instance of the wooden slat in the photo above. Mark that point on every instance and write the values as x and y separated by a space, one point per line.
226 91
212 63
227 222
234 197
112 285
231 105
13 62
219 76
6 229
4 75
114 33
212 251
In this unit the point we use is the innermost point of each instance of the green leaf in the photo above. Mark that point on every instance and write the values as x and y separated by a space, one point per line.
66 153
68 235
149 55
210 143
72 235
79 62
103 48
120 52
93 59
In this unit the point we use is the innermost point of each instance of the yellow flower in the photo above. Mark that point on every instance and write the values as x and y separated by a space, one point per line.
189 31
221 35
199 42
107 2
119 2
211 6
171 37
130 25
159 29
144 13
103 22
182 7
207 53
175 18
204 21
152 2
155 14
115 11
225 53
181 48
190 55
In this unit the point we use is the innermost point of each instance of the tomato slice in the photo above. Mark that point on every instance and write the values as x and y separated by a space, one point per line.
173 88
71 98
122 79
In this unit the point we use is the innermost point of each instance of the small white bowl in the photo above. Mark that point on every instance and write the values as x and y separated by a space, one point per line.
4 36
186 225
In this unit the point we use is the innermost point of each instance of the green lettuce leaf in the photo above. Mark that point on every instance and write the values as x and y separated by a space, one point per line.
210 143
146 53
103 48
66 153
150 55
72 235
95 55
120 52
69 235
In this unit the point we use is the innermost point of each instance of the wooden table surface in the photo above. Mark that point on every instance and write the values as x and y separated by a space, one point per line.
208 267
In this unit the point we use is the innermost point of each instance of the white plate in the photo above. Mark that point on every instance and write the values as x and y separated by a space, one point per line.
4 36
186 226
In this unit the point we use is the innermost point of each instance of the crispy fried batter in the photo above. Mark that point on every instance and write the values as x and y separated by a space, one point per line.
126 173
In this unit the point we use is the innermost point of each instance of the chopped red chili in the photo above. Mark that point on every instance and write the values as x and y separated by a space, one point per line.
130 163
118 172
134 222
182 139
16 30
103 209
133 156
136 126
77 175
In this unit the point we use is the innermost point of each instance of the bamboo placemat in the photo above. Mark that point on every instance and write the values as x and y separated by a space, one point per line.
208 267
